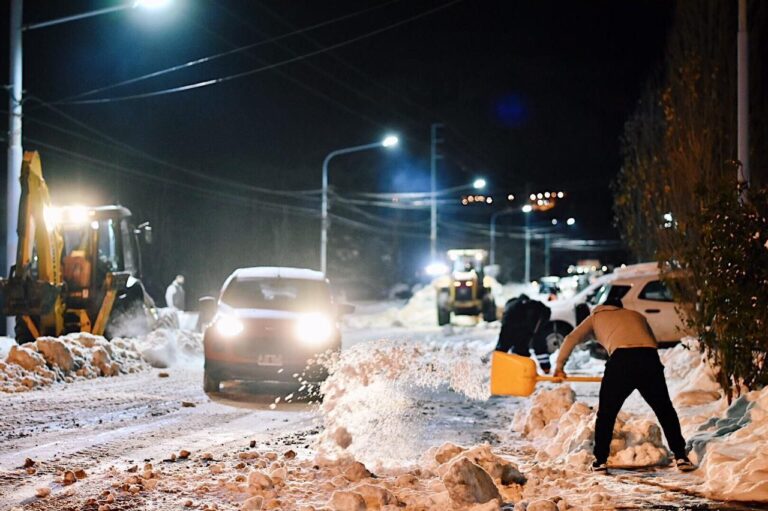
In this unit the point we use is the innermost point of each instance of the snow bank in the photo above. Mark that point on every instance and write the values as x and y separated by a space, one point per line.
5 346
729 443
64 359
690 378
733 450
370 409
83 355
419 311
562 430
166 347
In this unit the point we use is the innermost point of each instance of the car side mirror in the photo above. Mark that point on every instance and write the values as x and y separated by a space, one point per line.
345 308
207 306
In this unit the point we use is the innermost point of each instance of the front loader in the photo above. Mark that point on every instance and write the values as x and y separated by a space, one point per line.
77 268
466 290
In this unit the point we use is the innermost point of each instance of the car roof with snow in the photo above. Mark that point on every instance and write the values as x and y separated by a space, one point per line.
276 272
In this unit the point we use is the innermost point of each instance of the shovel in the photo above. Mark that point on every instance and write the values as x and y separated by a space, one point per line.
514 375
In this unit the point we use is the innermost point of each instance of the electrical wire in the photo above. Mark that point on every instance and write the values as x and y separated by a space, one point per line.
199 175
250 72
211 58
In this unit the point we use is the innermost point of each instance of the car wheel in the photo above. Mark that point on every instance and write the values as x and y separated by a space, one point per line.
210 383
553 335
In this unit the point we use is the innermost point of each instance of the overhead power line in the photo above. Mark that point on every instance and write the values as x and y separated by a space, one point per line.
211 58
222 79
197 174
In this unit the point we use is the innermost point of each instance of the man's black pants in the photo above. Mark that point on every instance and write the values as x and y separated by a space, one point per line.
629 369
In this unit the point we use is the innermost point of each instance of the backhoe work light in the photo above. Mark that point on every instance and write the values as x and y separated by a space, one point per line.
314 329
229 326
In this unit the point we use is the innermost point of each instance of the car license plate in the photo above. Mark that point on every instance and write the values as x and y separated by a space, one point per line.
269 360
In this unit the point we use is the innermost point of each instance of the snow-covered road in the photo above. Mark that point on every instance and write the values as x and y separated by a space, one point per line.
118 429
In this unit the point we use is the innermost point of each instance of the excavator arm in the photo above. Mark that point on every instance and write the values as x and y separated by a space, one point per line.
33 290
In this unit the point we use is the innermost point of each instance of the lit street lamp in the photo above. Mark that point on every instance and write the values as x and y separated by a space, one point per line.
527 209
388 142
15 90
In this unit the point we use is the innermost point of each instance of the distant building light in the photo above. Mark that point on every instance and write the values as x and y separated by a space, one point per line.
510 197
554 221
560 195
533 196
570 221
527 208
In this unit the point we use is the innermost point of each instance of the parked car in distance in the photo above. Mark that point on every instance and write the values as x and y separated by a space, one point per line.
639 288
269 324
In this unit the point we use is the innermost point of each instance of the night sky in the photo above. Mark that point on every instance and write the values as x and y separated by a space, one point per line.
533 96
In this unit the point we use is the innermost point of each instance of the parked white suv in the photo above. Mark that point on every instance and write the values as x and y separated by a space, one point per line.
639 288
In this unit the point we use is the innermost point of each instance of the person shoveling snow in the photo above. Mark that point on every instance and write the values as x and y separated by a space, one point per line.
633 364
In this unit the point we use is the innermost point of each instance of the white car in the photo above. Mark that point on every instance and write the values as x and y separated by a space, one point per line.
639 288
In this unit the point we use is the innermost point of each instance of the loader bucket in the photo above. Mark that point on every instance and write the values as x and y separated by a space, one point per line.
512 375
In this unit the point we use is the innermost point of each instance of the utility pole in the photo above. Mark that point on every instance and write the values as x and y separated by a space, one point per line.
742 107
435 139
14 143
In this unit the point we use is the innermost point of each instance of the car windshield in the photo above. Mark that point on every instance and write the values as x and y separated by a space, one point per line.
277 294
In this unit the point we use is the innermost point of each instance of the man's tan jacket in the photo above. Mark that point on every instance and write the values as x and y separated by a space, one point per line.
614 328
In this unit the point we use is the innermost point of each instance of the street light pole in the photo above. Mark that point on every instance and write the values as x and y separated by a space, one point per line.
494 216
434 157
14 142
389 141
527 277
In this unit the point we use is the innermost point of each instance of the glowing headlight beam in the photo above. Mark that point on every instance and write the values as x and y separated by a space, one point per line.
229 326
314 329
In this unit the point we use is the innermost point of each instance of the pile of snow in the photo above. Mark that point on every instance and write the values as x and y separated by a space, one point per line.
255 478
728 442
64 359
5 346
692 381
419 311
562 430
734 450
82 355
166 347
371 399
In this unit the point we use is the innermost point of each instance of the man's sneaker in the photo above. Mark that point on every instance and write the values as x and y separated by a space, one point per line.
684 464
598 466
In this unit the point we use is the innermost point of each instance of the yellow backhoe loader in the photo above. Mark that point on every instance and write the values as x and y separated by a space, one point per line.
77 268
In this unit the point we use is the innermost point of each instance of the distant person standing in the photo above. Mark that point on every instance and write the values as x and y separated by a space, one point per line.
520 324
174 295
633 364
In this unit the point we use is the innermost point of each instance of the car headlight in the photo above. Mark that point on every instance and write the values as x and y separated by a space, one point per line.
314 329
229 326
